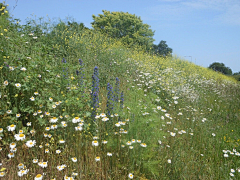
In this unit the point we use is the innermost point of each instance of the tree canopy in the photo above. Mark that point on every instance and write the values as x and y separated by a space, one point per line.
162 49
127 27
220 67
237 73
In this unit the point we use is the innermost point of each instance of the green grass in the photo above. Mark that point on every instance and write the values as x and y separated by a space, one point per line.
180 111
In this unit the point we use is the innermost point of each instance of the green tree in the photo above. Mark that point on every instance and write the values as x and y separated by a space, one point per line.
72 26
237 73
162 49
237 76
220 67
129 28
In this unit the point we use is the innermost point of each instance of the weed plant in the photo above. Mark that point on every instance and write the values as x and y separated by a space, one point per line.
76 104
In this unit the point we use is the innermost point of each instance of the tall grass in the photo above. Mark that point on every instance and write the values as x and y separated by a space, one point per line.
98 110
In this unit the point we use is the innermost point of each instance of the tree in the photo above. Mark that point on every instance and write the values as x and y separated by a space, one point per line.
237 76
220 67
162 49
129 28
75 26
237 73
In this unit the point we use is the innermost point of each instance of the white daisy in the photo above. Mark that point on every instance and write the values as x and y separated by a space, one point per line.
38 177
23 69
109 154
18 85
11 127
31 143
5 83
97 158
53 120
74 159
78 128
95 143
58 151
76 120
12 145
130 175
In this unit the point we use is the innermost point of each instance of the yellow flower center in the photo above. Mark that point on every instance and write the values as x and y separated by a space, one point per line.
39 175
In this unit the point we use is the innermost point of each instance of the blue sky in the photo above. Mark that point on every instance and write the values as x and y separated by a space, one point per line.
206 30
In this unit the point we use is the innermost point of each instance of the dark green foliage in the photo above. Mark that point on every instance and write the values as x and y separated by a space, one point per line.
74 26
237 73
162 49
237 76
220 67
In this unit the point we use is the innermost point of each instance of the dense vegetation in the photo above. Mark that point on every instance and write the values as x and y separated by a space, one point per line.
220 67
127 28
78 104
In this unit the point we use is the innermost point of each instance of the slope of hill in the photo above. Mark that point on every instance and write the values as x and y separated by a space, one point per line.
79 104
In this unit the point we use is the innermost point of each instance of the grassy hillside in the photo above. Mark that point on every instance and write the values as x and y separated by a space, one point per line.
97 110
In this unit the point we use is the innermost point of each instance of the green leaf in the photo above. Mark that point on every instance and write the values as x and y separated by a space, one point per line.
88 114
41 121
15 110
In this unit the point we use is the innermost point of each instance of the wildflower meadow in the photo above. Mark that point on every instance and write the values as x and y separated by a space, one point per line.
75 104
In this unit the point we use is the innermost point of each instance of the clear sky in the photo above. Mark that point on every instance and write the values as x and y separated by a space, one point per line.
201 31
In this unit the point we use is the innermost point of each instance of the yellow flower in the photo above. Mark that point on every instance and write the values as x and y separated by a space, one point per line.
5 30
39 176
